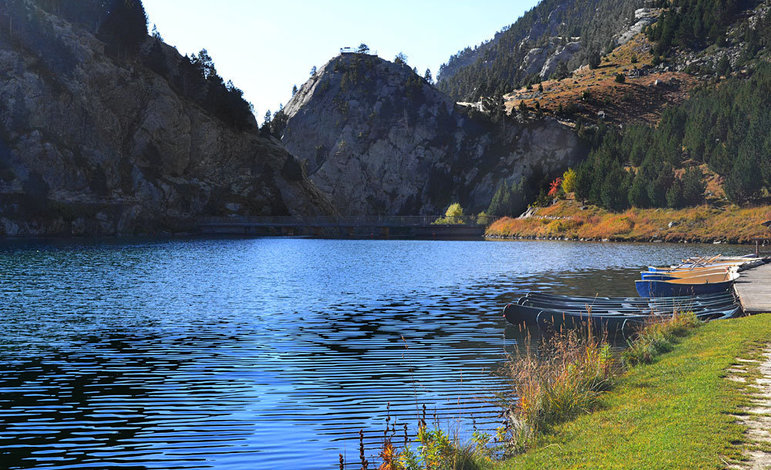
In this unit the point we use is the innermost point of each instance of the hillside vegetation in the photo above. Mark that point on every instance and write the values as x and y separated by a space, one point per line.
595 95
502 64
672 123
724 126
570 220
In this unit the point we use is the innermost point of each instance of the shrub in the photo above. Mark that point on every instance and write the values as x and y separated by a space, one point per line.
555 186
569 180
453 215
562 226
620 78
454 211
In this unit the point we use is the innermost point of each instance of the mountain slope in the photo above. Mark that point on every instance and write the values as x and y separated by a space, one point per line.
378 139
94 141
553 38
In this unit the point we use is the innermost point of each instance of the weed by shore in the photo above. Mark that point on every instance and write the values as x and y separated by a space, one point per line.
657 338
560 379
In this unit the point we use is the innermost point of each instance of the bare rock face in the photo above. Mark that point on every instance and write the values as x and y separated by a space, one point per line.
562 54
378 139
643 17
94 143
535 59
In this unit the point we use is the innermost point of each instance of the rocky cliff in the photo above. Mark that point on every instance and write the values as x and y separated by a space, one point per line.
378 139
552 39
94 141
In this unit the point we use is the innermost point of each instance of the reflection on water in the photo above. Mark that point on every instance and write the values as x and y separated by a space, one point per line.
268 353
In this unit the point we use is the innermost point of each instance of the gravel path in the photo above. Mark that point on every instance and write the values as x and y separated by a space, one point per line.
758 414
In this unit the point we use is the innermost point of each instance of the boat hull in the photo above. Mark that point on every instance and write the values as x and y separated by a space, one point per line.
619 322
663 288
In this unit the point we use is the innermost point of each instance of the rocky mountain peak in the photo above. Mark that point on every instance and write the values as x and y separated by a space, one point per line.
379 139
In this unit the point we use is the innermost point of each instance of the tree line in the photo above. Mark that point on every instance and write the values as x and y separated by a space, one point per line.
724 127
694 24
195 77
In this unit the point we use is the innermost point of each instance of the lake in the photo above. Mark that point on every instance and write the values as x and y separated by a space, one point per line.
266 353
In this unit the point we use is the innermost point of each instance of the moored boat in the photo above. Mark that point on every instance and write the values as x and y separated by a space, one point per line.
615 314
690 273
623 322
679 287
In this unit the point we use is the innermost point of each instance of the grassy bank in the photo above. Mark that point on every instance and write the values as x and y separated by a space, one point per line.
566 219
673 413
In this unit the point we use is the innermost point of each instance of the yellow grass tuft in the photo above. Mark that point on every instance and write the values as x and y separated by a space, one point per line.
565 219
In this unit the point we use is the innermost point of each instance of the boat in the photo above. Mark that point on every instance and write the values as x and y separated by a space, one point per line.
740 262
618 321
633 305
620 314
578 298
679 274
695 277
549 318
679 287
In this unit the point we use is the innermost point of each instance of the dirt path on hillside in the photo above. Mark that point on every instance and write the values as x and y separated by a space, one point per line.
758 414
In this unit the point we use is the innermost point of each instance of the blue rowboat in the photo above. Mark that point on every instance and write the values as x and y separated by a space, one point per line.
672 287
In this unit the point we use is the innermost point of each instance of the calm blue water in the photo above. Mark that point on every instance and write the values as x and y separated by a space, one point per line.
265 353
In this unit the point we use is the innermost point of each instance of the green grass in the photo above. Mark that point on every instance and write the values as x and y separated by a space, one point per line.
673 413
658 338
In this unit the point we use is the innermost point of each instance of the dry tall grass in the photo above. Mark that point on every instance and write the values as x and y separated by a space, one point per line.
562 376
566 219
566 374
557 380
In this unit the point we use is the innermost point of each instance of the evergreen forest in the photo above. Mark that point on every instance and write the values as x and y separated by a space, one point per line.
725 127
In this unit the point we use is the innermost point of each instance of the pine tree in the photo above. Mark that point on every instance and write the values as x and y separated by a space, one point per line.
613 193
743 184
723 67
693 187
638 192
125 25
675 195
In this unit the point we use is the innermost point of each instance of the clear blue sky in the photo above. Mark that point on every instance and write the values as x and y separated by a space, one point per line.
265 47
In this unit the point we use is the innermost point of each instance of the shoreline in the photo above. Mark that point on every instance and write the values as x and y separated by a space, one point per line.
700 407
568 220
499 238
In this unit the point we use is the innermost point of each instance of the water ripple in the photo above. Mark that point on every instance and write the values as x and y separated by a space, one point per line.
268 353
